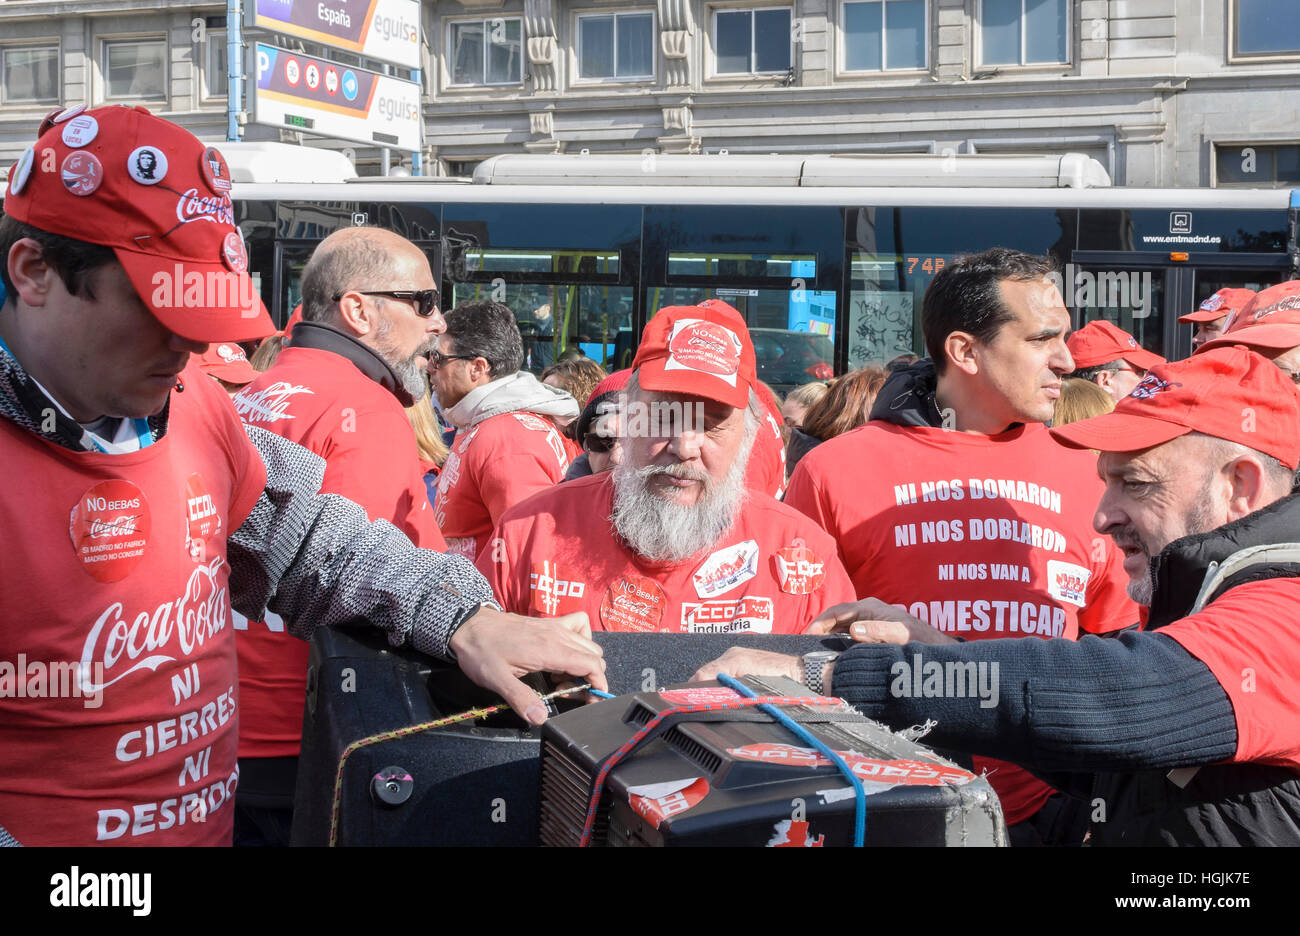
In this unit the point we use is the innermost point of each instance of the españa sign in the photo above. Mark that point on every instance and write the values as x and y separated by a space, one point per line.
333 100
388 30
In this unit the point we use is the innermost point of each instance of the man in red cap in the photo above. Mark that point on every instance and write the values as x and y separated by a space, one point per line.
1210 317
1270 325
146 509
227 364
956 513
661 543
1183 733
1110 357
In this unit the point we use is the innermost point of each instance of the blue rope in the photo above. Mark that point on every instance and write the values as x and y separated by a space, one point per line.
601 695
803 734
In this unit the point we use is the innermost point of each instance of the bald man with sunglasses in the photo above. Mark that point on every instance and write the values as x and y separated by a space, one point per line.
370 321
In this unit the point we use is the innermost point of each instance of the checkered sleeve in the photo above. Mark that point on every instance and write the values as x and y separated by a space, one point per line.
316 560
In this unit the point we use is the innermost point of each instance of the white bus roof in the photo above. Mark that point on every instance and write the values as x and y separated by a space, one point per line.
1069 170
267 162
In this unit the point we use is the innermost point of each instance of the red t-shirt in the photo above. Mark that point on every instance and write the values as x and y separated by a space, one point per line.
493 466
765 472
322 401
1249 640
119 562
981 536
557 553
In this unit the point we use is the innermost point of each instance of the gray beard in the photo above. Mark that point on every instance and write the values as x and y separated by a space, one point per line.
664 531
414 379
1198 520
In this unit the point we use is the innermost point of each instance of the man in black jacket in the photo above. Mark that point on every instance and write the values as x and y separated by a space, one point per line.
1185 732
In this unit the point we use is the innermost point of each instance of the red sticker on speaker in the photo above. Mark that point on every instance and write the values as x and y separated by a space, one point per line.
656 805
110 529
633 603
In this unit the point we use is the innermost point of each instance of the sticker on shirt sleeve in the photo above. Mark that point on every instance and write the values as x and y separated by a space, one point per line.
550 592
633 603
1068 582
109 527
799 570
80 131
216 172
82 173
725 569
750 614
147 165
204 522
21 171
656 802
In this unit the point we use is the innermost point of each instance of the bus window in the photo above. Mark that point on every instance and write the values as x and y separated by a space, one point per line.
883 319
556 310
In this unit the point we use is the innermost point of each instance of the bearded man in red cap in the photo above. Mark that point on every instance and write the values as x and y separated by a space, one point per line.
145 509
1182 733
1212 314
1270 325
661 542
1110 357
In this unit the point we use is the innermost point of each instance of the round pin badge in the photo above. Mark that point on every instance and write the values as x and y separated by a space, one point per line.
82 173
48 121
67 114
147 165
110 529
215 170
80 131
21 171
233 253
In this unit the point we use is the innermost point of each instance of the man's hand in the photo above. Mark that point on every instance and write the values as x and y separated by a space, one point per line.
740 661
873 621
494 649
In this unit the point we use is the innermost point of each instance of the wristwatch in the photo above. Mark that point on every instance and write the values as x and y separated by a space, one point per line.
814 664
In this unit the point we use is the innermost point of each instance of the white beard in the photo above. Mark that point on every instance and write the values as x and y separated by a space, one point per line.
664 531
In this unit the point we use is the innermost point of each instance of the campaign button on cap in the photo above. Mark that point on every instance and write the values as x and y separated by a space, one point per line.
21 171
216 173
68 114
147 165
80 131
82 173
233 252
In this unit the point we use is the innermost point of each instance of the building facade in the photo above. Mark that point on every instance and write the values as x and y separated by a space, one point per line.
1161 92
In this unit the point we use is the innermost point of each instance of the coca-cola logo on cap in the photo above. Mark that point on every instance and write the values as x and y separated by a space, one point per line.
1289 304
703 346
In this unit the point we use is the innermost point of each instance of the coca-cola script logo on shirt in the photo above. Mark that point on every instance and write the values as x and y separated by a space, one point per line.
270 404
124 642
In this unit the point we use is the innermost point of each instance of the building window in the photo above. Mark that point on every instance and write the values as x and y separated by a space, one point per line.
750 42
617 46
884 34
31 75
487 51
1265 27
1249 166
217 64
135 68
1024 32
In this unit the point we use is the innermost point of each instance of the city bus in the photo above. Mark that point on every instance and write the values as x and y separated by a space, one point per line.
827 257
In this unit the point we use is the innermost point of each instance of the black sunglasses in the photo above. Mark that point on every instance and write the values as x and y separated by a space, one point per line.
437 358
594 442
426 299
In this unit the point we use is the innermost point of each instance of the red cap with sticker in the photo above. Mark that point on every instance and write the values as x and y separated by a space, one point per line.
150 190
702 350
1101 342
1270 322
1222 304
227 361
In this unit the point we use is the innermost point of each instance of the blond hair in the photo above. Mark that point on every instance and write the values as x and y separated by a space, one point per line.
428 440
1080 399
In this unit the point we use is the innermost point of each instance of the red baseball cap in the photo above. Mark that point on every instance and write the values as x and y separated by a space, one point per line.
160 198
1223 303
1101 342
227 361
704 350
1269 322
1230 393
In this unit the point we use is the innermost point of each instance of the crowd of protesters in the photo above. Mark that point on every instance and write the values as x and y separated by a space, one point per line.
1114 530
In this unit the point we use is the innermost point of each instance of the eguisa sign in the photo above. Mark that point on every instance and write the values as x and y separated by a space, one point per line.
387 30
310 94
